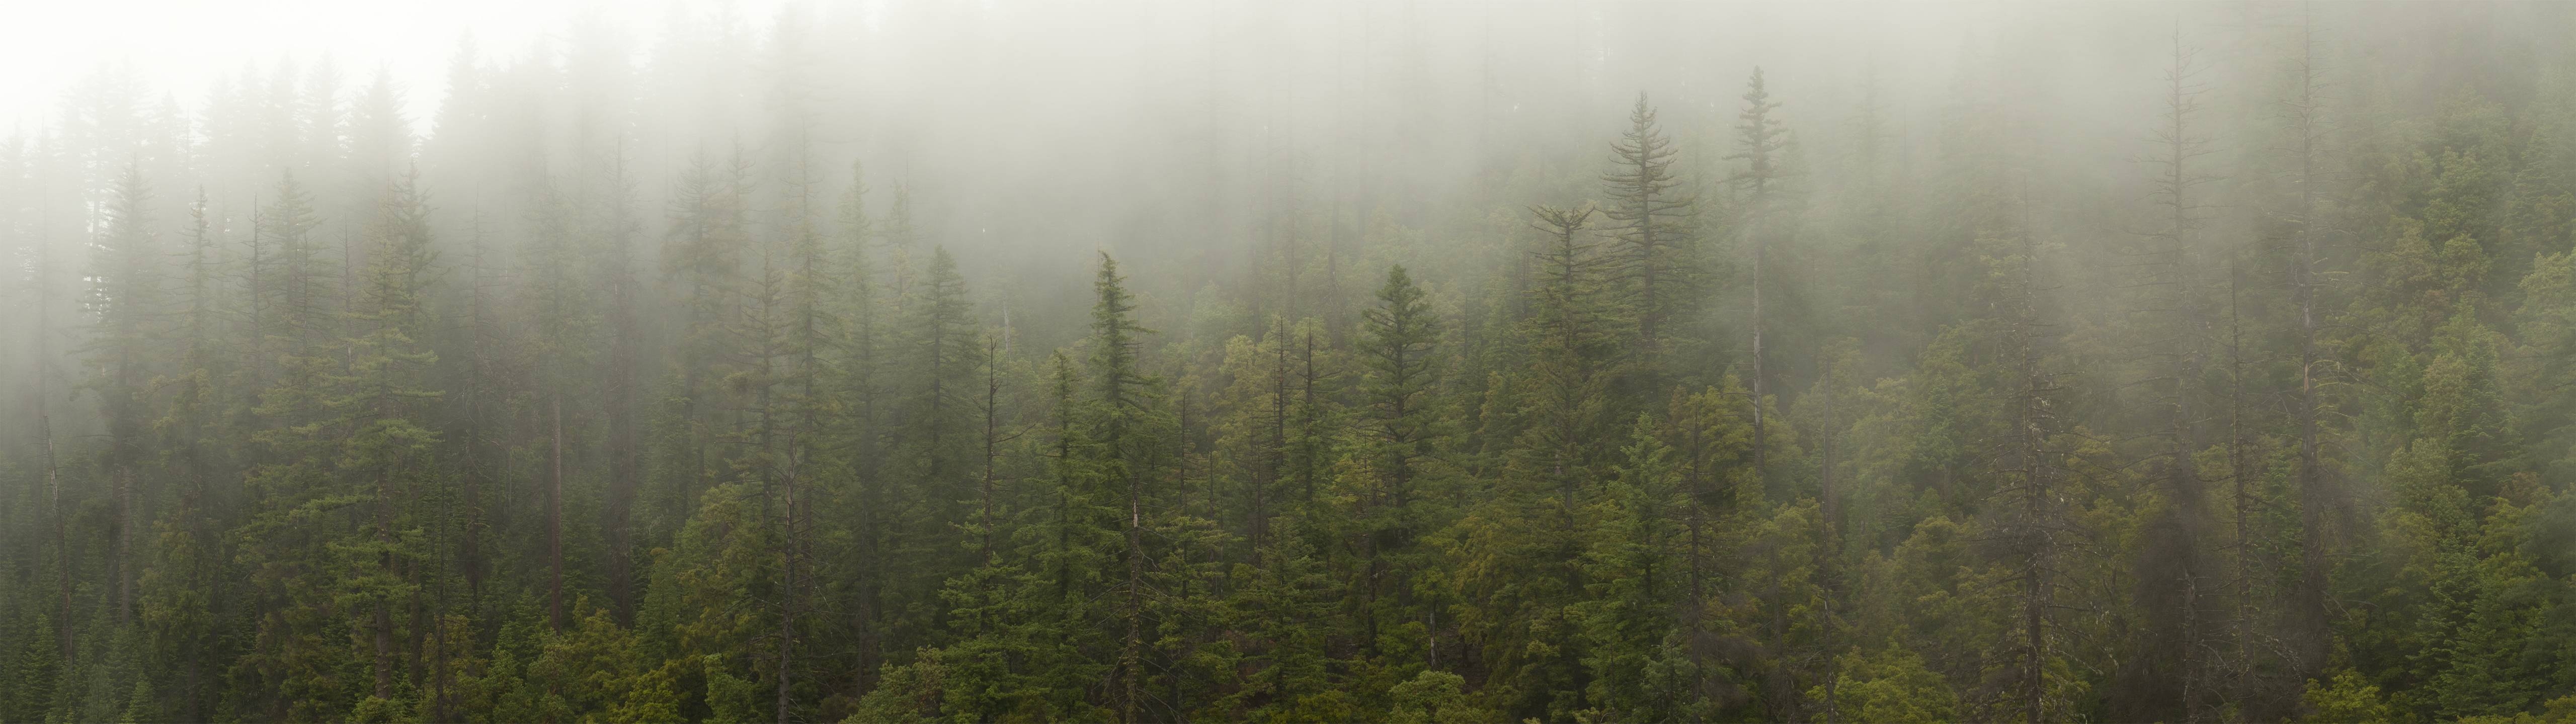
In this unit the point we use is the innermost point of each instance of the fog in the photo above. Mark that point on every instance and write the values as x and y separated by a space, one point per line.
1032 134
1141 360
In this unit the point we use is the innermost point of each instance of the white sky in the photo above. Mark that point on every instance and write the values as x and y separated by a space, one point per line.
181 46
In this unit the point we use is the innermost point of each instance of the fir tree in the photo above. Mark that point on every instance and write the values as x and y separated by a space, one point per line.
1759 138
1649 212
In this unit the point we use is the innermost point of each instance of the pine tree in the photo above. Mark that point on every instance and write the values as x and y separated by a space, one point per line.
178 590
1759 137
621 388
1121 425
2304 110
294 583
2033 490
810 337
941 356
562 328
866 388
125 299
1567 350
1043 642
473 428
701 257
1626 617
1520 549
379 138
382 397
2176 579
1399 339
1649 212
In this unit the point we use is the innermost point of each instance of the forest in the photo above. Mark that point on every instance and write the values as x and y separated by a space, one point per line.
1143 360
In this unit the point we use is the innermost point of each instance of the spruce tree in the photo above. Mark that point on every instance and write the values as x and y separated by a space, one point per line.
2304 111
1759 139
384 398
1398 342
1649 212
941 356
126 300
1124 394
178 589
2177 579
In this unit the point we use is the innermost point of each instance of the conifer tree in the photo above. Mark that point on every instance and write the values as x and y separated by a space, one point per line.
1567 350
125 299
621 390
810 336
864 389
1759 137
1649 212
292 578
701 258
1532 523
2304 110
178 589
561 328
383 397
2177 582
942 356
1632 578
1121 428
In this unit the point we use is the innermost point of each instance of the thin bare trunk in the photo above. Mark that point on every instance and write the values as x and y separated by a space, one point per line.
992 442
554 525
1131 661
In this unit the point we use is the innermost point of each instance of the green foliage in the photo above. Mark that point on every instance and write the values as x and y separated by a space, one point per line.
2349 698
1891 419
1888 684
1433 697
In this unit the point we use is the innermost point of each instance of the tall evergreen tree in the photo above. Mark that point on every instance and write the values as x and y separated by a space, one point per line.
1759 139
125 299
389 452
1650 212
2178 582
1398 344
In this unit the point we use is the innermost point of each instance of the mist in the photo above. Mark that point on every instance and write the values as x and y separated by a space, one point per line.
1406 361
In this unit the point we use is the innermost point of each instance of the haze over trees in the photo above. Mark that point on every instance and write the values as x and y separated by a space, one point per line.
1345 362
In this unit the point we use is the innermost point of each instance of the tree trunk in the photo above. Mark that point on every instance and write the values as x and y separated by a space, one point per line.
384 634
787 606
554 525
125 525
1130 663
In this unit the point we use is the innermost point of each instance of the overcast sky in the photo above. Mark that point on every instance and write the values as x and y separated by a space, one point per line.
179 46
